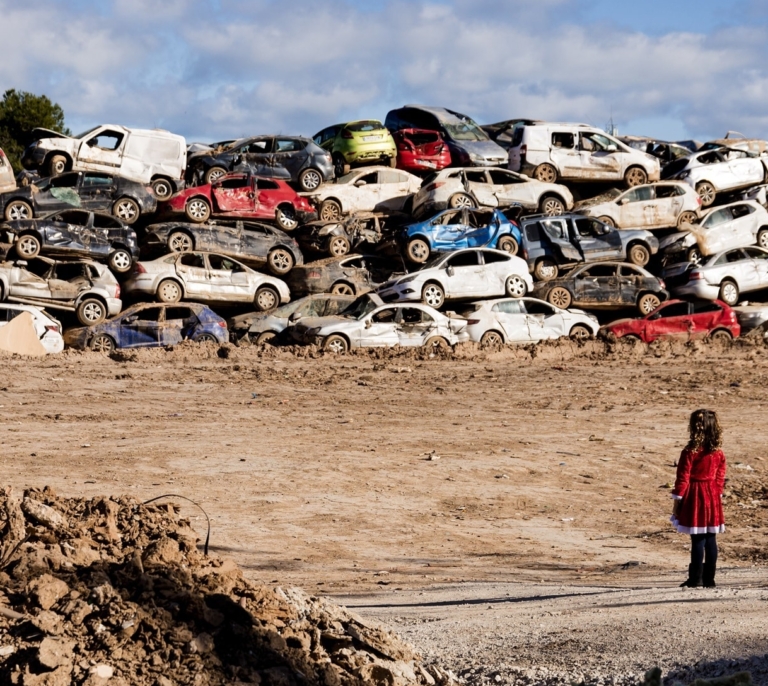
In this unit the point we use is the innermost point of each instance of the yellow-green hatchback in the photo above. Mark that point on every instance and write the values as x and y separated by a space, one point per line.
357 143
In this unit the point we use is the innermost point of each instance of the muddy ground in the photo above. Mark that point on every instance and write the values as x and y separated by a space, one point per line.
389 474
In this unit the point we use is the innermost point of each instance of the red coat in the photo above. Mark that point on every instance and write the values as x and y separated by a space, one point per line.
699 487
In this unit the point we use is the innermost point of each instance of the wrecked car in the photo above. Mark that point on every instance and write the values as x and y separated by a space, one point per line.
7 179
607 285
75 232
253 243
469 187
47 329
126 200
149 325
337 238
146 156
357 142
652 206
421 151
374 189
666 152
682 320
84 287
734 139
291 158
262 327
349 275
242 195
208 277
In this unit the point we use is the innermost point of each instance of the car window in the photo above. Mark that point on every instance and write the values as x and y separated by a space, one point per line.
590 228
741 210
90 180
192 259
353 263
490 257
532 232
674 310
501 177
594 142
150 314
64 181
106 140
598 270
717 217
259 147
705 306
463 259
103 221
560 139
266 185
413 315
534 307
388 176
38 268
238 182
713 157
627 270
668 191
369 179
7 314
92 272
178 313
77 217
363 126
476 176
224 263
257 228
639 194
756 253
453 217
735 256
333 306
508 307
735 154
385 316
289 145
69 271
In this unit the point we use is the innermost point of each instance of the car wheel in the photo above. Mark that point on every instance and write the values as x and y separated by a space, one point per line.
516 286
340 166
635 176
417 250
342 288
638 254
545 270
330 211
126 210
214 174
102 343
120 261
437 343
286 217
433 295
197 210
179 241
608 221
461 200
162 188
648 303
762 238
559 297
551 206
310 179
18 209
694 254
721 335
686 218
338 246
508 244
546 173
729 293
706 192
580 333
27 246
57 164
91 311
169 291
265 337
206 338
266 298
280 261
335 344
491 339
632 337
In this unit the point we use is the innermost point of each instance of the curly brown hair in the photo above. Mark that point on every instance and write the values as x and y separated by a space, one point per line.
705 430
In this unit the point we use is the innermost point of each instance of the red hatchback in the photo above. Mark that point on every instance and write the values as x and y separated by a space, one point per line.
420 151
243 195
681 319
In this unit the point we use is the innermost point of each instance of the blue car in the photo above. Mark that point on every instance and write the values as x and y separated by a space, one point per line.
150 325
455 229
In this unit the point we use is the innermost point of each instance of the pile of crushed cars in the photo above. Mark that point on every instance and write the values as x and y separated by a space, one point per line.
423 230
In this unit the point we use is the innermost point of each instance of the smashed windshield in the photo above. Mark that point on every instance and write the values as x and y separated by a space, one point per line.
85 133
360 307
462 128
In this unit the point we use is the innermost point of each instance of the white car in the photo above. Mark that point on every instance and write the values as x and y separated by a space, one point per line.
207 277
367 189
469 273
729 226
525 320
370 323
714 171
494 187
651 206
47 328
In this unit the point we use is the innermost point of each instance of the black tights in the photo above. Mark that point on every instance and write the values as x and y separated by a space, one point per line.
701 544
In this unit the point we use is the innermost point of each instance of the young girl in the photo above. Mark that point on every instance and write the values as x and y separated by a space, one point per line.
698 508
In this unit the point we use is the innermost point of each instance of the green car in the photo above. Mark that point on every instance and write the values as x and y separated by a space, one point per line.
357 142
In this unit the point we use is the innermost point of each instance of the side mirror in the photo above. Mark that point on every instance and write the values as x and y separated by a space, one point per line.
360 183
131 319
21 263
450 270
623 201
295 316
612 148
368 323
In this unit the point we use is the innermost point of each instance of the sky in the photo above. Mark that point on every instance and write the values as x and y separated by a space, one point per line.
219 69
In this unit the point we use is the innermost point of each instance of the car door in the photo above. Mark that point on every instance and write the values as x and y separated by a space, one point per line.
225 237
30 280
478 184
414 326
58 193
66 232
742 268
379 329
746 168
544 321
67 280
715 233
597 241
255 242
258 156
228 280
142 327
670 321
234 195
482 227
509 187
564 154
639 208
759 259
630 284
103 150
512 318
465 276
449 231
557 233
600 158
744 225
180 324
670 200
386 192
289 158
103 230
193 271
97 190
597 284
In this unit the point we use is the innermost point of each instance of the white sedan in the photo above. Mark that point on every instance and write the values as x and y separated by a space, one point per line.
369 189
370 323
651 206
463 274
47 328
206 277
524 320
473 187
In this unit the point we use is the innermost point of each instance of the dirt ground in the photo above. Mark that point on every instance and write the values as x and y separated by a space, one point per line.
389 474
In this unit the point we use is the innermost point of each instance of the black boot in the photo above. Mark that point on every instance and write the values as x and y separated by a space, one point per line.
709 574
694 576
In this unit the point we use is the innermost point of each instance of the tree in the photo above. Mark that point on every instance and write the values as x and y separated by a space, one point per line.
20 114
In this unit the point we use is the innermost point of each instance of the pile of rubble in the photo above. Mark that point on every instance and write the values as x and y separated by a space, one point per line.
113 591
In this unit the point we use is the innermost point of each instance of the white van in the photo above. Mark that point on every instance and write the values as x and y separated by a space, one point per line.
7 179
576 152
150 156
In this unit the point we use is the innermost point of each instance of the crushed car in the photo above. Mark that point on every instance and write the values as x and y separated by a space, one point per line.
420 151
47 329
338 237
356 143
348 275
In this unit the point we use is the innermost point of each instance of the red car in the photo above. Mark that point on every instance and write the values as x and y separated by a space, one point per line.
681 319
420 151
243 195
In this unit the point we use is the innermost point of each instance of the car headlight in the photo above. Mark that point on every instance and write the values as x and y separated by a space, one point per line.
407 279
476 158
683 175
313 332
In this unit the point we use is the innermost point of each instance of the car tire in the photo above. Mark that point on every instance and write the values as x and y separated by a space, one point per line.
460 200
545 173
694 254
686 218
197 210
120 261
551 206
491 339
266 298
342 288
545 270
180 241
638 254
515 286
27 246
338 246
433 295
417 250
162 188
762 238
560 297
18 209
57 164
330 211
579 333
126 210
508 244
310 179
280 261
265 337
706 192
91 311
729 292
647 303
102 343
607 221
635 176
169 291
205 338
436 343
632 337
286 219
335 344
213 174
340 166
721 335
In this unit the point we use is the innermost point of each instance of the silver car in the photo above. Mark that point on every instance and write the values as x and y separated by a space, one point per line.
207 277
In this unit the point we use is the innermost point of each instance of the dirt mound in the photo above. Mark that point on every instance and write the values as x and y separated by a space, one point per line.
96 591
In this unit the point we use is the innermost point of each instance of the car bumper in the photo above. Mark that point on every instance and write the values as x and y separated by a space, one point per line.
364 155
114 306
698 289
33 158
141 283
52 342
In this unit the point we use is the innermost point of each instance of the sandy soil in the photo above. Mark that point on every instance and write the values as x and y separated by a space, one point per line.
388 472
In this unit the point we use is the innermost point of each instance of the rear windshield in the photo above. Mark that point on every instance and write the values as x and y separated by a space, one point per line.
370 125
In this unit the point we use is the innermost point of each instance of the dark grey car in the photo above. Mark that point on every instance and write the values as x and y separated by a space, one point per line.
291 158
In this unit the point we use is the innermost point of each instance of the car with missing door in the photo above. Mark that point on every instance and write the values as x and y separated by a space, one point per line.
347 275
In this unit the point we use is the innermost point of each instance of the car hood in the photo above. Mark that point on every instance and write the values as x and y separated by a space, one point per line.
245 321
322 322
484 148
76 338
674 238
38 134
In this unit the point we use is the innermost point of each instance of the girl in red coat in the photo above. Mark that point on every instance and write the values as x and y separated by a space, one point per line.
698 508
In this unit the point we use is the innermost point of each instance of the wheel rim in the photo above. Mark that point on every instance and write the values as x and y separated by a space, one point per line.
18 211
342 289
730 294
547 271
206 338
59 166
649 304
639 255
180 242
286 217
636 177
432 296
508 245
687 218
516 287
266 299
280 261
336 345
102 344
339 246
546 173
311 180
92 312
579 333
169 291
215 174
126 210
694 255
559 297
121 260
197 209
419 251
720 336
552 207
461 201
27 246
762 239
706 193
162 189
491 339
330 211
